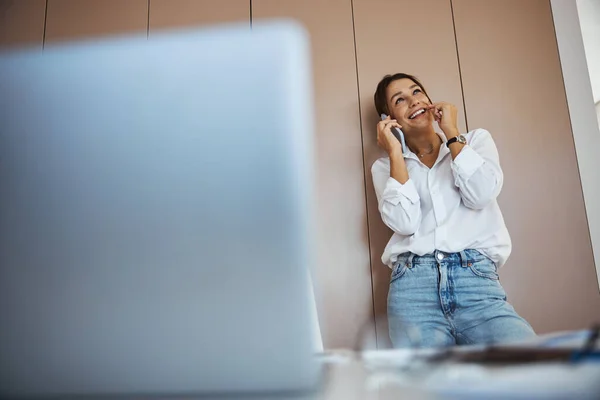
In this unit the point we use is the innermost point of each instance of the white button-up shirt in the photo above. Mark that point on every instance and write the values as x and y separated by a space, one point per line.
450 207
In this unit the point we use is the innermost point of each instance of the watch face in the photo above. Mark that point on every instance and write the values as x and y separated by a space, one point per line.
461 139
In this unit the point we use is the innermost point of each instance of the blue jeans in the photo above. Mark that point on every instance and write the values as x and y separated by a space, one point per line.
445 299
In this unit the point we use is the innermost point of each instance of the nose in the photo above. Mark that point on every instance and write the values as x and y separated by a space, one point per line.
414 101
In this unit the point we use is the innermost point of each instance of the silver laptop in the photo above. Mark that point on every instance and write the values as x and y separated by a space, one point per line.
154 215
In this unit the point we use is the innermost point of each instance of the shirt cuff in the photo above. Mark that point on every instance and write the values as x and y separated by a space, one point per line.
394 191
467 162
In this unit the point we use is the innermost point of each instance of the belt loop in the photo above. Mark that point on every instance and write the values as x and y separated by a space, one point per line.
409 261
463 259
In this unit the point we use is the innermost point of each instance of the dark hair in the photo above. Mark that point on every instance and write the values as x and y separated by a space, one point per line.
380 96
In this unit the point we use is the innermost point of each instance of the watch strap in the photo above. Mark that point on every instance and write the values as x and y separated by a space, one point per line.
454 139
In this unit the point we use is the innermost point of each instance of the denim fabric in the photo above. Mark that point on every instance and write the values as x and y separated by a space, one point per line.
444 299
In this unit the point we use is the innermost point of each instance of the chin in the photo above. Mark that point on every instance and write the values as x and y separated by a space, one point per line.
424 124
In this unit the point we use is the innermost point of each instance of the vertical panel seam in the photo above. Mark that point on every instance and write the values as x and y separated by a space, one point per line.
462 89
364 176
562 75
45 23
148 21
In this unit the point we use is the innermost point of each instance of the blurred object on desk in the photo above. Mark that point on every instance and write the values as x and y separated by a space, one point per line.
434 372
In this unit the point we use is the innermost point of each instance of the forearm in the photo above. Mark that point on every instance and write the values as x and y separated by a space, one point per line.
399 203
398 169
477 171
400 206
403 218
480 188
456 147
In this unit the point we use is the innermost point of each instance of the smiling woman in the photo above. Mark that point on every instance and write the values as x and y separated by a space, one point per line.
449 236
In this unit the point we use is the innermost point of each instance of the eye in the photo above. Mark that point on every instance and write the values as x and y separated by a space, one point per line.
417 91
399 99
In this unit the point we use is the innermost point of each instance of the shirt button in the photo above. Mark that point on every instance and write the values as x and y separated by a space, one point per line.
440 256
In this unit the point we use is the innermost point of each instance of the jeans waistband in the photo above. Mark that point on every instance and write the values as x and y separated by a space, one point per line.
411 259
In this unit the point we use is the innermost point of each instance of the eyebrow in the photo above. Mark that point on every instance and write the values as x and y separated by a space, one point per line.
400 92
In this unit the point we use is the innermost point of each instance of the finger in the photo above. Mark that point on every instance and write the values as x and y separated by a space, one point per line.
385 122
388 118
388 134
436 107
390 123
434 112
440 105
447 106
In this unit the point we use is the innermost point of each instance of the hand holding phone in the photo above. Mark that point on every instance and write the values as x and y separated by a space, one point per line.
397 132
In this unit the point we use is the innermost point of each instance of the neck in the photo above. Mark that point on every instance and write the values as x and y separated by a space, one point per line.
423 141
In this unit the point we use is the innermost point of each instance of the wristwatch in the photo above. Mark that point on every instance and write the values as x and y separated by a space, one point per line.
460 139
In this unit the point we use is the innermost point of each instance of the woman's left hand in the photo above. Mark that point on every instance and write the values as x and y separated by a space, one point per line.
446 116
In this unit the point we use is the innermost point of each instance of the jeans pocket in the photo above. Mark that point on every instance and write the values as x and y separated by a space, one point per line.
481 265
400 267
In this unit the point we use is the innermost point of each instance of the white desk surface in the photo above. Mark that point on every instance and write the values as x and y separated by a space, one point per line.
401 374
396 374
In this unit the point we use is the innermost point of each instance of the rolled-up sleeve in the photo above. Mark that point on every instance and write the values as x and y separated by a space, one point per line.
477 172
399 204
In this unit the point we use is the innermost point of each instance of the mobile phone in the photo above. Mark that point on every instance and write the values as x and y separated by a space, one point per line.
398 134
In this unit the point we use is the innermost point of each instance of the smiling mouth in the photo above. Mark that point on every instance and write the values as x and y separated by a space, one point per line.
417 113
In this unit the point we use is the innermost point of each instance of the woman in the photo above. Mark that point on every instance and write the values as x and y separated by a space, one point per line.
449 239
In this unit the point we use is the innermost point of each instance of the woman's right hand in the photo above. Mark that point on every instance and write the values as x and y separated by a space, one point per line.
386 139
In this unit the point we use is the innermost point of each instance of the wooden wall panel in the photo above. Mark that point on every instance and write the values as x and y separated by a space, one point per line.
416 37
22 23
513 87
343 275
80 19
165 14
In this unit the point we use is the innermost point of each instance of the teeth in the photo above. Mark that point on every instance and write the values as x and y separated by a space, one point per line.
421 111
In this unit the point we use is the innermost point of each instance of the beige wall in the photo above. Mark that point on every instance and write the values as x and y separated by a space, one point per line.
343 276
517 93
81 19
505 80
165 14
22 23
433 59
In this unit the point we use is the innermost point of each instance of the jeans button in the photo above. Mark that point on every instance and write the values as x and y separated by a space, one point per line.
440 256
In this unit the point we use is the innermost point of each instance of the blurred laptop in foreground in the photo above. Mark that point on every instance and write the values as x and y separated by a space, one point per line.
155 219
